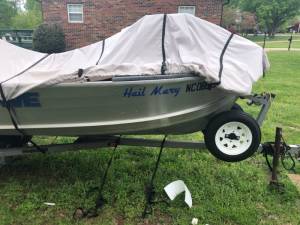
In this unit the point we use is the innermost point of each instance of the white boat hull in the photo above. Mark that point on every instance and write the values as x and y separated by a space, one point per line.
151 106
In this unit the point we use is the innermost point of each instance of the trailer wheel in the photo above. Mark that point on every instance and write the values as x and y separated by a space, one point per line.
234 107
232 136
237 107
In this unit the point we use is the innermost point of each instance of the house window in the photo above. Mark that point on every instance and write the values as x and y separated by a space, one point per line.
75 13
187 9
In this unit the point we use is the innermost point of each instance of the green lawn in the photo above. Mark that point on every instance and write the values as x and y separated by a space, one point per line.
222 193
283 80
278 37
277 41
281 44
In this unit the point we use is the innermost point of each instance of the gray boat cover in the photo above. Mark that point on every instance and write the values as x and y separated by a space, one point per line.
155 44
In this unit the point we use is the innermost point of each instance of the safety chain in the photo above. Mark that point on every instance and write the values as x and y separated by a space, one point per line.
268 149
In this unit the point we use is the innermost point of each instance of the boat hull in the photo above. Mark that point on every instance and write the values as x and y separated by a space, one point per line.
152 106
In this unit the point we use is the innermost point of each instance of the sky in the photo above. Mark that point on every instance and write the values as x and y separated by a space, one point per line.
21 4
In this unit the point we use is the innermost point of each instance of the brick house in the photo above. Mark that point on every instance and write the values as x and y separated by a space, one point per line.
88 21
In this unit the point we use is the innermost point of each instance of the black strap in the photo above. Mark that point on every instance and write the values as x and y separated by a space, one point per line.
80 72
12 114
150 190
81 213
213 85
102 51
264 46
222 56
283 158
10 109
164 66
268 150
285 154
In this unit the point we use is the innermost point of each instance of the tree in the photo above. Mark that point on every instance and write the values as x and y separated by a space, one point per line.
31 18
13 15
33 5
237 21
271 14
8 10
248 23
27 20
229 17
49 38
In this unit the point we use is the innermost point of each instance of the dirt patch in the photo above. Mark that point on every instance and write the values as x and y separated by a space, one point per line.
294 128
295 178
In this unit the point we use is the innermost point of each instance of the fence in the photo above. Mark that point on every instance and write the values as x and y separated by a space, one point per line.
22 38
287 41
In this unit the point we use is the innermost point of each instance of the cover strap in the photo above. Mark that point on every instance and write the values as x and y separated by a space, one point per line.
12 113
222 56
102 51
164 66
213 85
10 109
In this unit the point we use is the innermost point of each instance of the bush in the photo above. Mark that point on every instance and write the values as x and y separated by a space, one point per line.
49 38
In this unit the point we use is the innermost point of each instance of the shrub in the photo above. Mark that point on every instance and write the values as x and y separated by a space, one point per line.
49 38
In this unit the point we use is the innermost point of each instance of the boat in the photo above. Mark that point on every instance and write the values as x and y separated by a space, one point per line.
161 105
176 85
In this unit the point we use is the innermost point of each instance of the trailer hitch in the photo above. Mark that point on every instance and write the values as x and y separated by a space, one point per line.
264 100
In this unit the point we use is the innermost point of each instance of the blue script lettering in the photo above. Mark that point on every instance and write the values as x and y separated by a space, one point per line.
161 90
132 92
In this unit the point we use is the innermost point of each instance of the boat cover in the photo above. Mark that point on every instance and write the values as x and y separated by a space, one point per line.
155 44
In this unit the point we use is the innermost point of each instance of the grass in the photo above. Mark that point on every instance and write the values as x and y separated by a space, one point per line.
283 80
278 37
281 44
222 193
277 41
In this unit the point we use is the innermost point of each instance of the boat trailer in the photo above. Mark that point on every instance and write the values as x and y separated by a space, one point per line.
278 149
268 148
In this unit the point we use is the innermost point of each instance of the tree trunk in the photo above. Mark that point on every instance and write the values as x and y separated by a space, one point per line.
272 31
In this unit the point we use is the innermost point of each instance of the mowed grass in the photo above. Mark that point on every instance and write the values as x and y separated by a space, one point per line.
278 41
283 79
222 193
278 37
281 44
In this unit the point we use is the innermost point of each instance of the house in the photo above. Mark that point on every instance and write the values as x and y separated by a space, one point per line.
295 28
88 21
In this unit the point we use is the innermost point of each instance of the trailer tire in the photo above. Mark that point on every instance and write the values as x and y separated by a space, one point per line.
237 107
232 136
234 107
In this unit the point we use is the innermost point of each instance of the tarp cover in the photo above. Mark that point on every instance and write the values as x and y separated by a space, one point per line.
189 44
